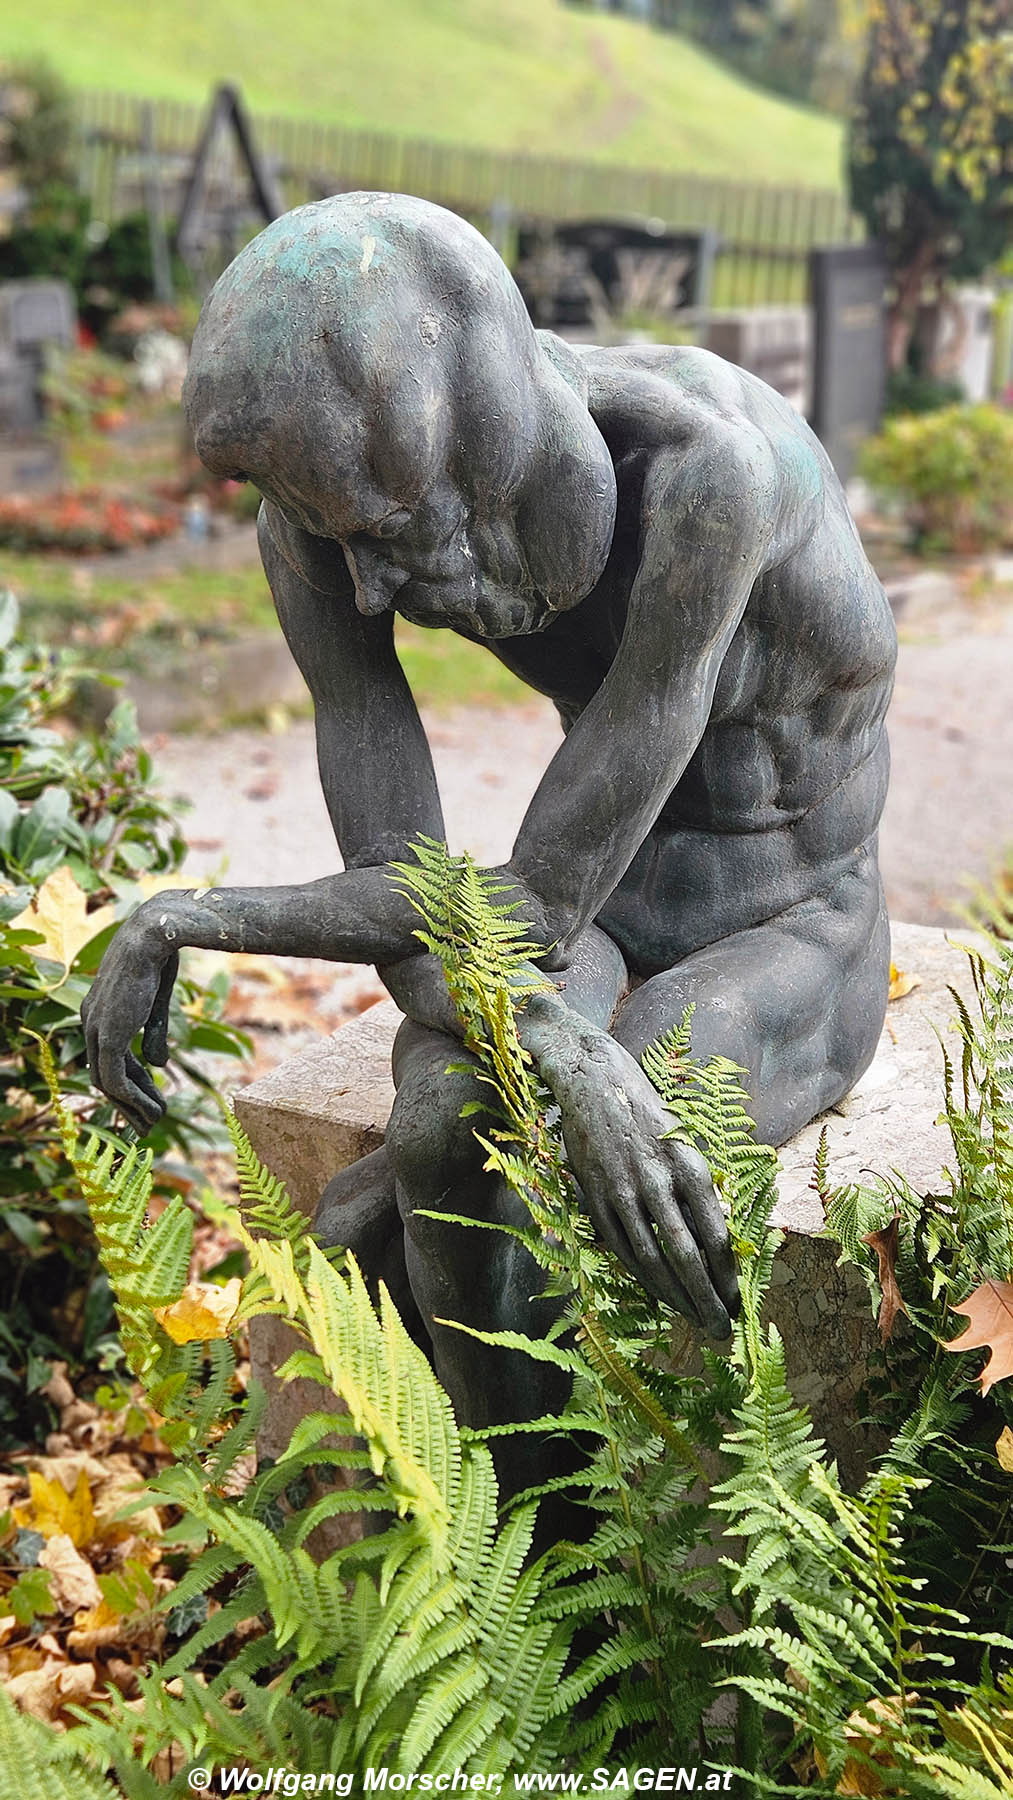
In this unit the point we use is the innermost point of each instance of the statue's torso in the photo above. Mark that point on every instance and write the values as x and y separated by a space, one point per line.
790 775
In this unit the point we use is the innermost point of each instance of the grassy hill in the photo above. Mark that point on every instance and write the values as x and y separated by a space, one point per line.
509 74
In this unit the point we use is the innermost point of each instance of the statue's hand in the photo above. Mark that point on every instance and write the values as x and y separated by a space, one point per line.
131 993
650 1199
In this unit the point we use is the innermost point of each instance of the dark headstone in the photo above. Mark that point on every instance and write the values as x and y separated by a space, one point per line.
848 285
33 316
34 313
582 274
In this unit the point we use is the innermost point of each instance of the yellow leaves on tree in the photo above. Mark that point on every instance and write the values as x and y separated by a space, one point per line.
990 1311
203 1311
59 912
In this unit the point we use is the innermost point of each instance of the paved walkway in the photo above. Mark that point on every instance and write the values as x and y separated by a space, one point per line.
258 815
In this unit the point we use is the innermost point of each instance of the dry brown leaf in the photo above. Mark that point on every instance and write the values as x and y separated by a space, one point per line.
103 1629
203 1311
900 983
9 1627
58 1388
884 1242
990 1311
45 1692
60 912
73 1584
1003 1450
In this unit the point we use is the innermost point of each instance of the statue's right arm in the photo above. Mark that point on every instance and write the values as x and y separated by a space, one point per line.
380 790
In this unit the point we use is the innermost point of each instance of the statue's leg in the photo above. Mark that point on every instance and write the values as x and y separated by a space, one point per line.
481 1278
358 1209
798 1001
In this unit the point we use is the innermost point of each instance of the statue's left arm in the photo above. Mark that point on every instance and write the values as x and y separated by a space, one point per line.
710 525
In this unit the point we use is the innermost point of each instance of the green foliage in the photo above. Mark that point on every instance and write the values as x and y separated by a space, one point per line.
952 470
931 144
78 811
803 48
854 1632
36 125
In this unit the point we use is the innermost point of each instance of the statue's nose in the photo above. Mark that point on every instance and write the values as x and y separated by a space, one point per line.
375 579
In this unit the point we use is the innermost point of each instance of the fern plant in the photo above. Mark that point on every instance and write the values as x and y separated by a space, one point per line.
440 1641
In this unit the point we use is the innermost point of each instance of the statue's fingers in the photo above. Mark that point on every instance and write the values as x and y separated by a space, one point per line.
649 1264
703 1213
147 1105
684 1254
127 1083
155 1042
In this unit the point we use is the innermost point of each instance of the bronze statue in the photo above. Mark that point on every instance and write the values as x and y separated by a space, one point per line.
654 539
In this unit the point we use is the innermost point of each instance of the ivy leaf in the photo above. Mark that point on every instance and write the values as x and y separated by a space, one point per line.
202 1311
990 1310
59 913
884 1242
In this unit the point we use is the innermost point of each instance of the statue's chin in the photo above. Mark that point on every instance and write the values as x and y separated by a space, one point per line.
493 614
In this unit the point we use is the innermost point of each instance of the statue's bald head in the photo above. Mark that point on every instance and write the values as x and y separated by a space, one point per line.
365 348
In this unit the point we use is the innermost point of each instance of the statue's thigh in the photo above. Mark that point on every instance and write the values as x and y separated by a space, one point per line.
797 1002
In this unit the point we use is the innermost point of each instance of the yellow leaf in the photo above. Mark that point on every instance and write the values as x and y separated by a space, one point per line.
54 1512
59 912
202 1311
901 984
1004 1449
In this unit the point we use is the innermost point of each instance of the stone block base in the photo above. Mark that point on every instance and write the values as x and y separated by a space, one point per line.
326 1108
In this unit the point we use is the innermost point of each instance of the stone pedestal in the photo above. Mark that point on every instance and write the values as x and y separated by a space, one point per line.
329 1106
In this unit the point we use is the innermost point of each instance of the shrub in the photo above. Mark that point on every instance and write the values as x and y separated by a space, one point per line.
79 828
952 470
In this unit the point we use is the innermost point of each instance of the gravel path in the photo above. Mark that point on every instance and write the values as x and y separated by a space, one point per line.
258 815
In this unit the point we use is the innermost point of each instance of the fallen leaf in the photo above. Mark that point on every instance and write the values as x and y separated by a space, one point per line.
58 1388
990 1311
900 983
60 912
46 1691
1003 1450
202 1311
73 1585
884 1242
51 1510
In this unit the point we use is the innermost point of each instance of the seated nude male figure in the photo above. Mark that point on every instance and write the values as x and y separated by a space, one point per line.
656 541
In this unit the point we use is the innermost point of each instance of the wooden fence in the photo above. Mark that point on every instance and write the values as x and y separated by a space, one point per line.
766 232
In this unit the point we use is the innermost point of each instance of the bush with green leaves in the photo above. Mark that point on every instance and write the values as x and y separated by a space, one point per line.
861 1640
80 826
951 471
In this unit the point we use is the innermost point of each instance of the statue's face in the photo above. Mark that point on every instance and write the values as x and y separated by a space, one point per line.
445 560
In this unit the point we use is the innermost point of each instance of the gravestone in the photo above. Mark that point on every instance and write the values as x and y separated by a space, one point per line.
588 273
847 285
34 315
772 342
